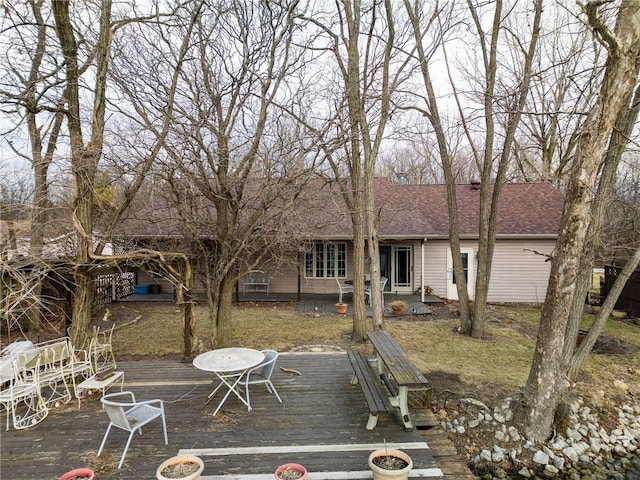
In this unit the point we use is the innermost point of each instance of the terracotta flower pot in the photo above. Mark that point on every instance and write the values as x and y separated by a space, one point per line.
380 473
178 460
288 471
78 472
341 308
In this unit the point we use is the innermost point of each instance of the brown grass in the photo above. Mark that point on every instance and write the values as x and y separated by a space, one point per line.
497 365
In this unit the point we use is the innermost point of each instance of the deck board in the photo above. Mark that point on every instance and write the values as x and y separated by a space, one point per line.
320 414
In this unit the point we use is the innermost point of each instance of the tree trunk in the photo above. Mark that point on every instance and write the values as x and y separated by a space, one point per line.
620 138
545 384
360 320
224 326
581 352
84 159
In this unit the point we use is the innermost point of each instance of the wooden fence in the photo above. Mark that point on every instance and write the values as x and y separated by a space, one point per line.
629 299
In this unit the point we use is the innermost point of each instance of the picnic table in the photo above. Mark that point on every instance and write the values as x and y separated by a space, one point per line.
397 372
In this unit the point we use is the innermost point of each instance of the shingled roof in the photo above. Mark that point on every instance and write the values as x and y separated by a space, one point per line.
527 209
406 210
420 211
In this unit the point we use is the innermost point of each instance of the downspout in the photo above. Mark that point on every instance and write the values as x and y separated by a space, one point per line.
422 242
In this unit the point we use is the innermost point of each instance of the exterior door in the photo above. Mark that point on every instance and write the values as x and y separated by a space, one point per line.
396 264
385 263
402 268
466 255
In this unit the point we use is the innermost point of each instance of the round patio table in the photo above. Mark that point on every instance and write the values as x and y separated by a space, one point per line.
229 365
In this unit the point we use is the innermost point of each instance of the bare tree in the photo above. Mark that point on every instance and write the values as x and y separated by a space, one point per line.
567 77
364 51
86 126
33 95
546 384
84 156
232 194
502 90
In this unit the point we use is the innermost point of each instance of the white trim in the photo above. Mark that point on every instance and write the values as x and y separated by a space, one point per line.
452 289
349 447
297 449
356 475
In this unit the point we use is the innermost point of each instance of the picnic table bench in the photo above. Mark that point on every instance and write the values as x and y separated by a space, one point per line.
376 398
398 373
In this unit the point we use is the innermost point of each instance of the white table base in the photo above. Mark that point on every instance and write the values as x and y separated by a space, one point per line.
232 387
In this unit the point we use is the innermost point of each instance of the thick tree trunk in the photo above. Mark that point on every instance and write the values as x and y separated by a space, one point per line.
224 327
545 384
360 320
620 138
84 159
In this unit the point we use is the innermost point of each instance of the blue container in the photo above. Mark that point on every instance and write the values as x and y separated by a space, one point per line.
141 289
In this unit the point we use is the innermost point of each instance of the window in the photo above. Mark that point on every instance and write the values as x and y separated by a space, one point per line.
326 260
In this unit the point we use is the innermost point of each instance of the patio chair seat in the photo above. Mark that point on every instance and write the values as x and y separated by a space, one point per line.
131 416
21 397
383 283
261 374
342 289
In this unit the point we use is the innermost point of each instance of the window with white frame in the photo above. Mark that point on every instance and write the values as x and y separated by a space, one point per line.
326 260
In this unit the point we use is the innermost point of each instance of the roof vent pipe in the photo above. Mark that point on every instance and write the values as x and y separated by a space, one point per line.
475 184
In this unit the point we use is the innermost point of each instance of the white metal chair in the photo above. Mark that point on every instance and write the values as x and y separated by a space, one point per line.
383 283
262 374
101 350
131 416
342 289
52 373
21 397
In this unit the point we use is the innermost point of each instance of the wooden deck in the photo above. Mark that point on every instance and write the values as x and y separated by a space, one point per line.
321 424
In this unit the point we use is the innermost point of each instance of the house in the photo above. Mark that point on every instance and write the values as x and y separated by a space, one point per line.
414 247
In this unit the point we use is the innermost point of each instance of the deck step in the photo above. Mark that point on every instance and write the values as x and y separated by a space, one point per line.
356 475
297 449
347 447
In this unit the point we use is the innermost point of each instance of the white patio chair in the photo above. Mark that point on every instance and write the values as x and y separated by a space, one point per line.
342 289
21 397
383 283
262 374
101 350
131 416
52 373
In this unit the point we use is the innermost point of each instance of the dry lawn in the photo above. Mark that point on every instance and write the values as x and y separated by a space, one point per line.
457 365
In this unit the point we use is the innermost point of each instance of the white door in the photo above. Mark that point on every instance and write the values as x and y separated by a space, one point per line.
467 262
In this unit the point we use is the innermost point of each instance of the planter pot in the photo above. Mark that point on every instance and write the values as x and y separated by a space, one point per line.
620 314
78 473
397 311
580 337
290 471
341 308
380 473
175 463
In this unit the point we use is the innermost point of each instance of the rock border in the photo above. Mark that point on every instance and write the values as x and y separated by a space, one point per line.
583 443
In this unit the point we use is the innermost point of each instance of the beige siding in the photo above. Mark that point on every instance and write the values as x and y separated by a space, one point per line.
435 266
145 278
286 279
517 275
